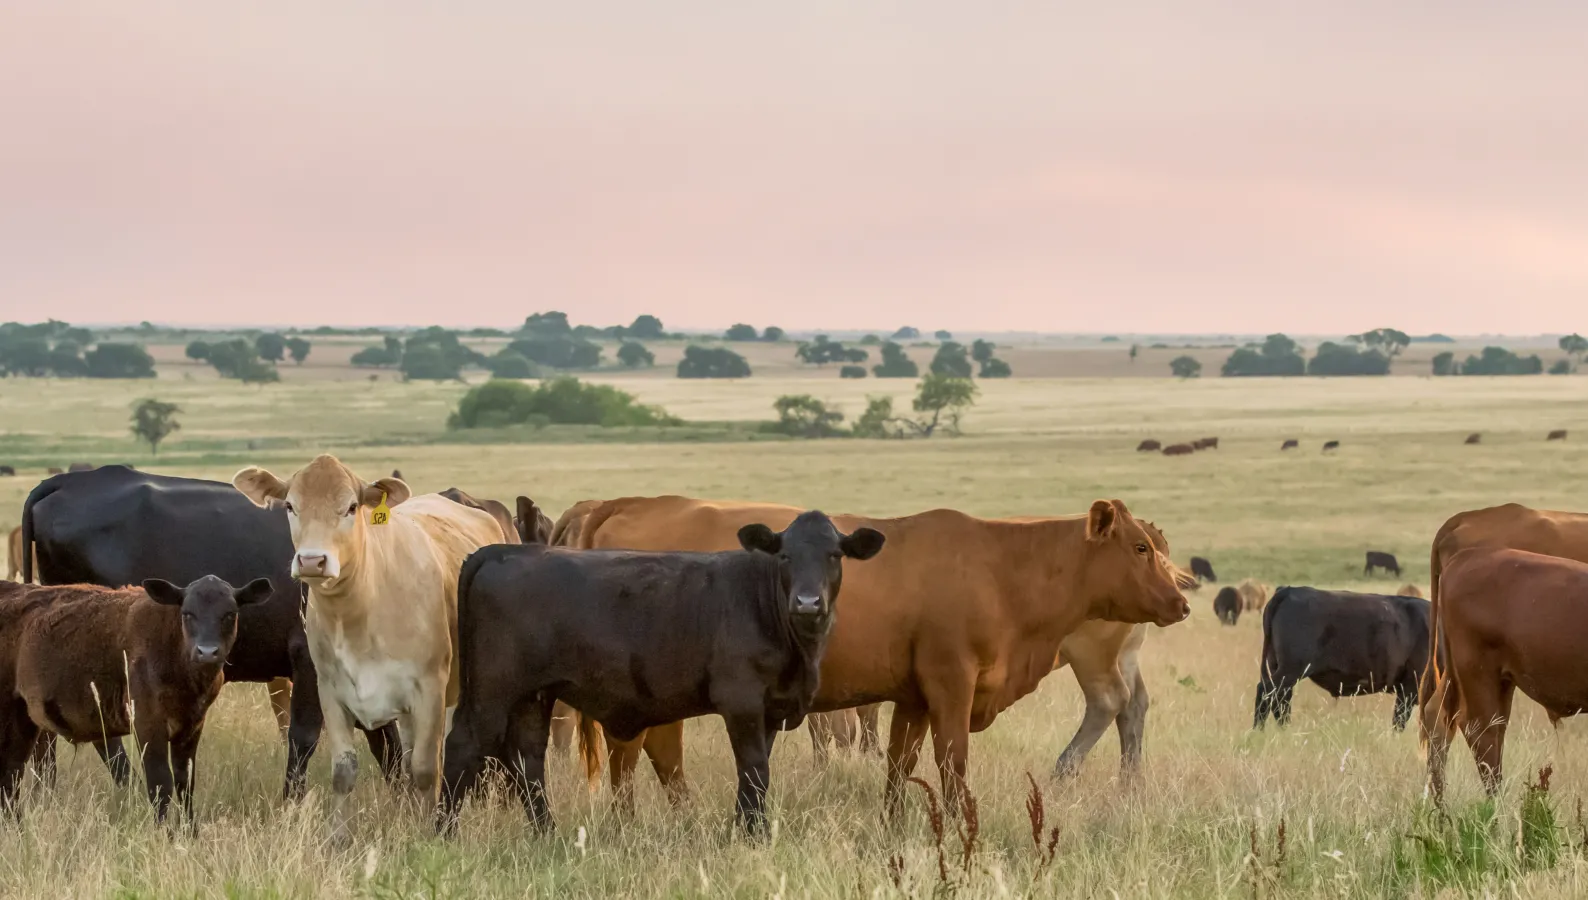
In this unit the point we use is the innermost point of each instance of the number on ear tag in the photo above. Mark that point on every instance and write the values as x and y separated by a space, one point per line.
381 514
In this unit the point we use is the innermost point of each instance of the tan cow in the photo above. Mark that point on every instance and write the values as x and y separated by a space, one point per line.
1409 590
1512 526
952 631
14 555
1254 595
382 572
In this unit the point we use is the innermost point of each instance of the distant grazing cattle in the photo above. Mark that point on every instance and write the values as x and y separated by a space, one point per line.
1508 619
1330 445
1148 446
1203 569
493 508
533 525
397 474
1290 444
1227 605
1254 595
1550 532
14 555
1473 438
89 663
114 527
1377 559
1558 434
81 467
1344 642
8 471
1409 590
1207 443
1179 450
382 573
739 634
924 627
54 470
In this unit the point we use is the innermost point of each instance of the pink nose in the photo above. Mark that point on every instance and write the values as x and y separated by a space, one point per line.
310 563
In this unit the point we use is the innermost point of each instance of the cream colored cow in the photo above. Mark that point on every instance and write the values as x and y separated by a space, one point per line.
382 571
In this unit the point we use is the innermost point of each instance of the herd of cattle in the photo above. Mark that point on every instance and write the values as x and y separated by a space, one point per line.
1151 445
452 631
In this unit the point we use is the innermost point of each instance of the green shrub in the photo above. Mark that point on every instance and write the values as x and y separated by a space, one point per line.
633 355
558 351
801 415
1500 361
952 359
712 362
559 401
852 372
1344 359
508 364
895 364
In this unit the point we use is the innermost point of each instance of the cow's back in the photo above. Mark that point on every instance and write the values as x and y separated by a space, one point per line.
1550 532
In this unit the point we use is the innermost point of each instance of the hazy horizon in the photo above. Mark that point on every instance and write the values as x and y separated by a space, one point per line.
1134 168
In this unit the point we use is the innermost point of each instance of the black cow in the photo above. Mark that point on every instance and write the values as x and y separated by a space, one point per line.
1346 643
1330 445
1227 605
634 640
1379 560
7 471
113 526
1290 443
1203 569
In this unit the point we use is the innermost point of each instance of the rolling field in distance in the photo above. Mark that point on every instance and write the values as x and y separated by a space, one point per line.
1348 790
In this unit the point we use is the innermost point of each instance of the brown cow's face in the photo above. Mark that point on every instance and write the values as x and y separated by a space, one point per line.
1129 577
328 509
810 554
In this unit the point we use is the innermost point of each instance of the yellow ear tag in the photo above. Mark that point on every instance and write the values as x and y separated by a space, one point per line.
380 514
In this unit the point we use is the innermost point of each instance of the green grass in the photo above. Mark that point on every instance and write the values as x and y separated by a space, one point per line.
1348 789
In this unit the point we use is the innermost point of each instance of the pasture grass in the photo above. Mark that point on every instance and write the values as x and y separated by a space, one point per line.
1346 791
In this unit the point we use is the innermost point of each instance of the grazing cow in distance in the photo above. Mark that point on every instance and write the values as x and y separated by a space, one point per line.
81 467
1179 450
397 474
1558 434
382 573
1227 605
1330 445
1203 570
54 470
1207 443
1148 446
1377 559
114 527
533 525
1254 595
1290 444
739 634
1409 590
493 508
925 628
90 663
1473 438
1344 642
8 471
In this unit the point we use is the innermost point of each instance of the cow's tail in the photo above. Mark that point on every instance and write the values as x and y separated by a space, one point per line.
1269 658
589 731
471 567
43 489
1434 682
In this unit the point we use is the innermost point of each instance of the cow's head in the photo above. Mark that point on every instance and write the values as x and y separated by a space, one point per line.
810 554
328 509
1128 576
209 612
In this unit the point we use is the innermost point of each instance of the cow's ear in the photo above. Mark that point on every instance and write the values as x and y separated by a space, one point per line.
1100 521
260 486
759 537
394 489
862 543
528 517
163 592
256 591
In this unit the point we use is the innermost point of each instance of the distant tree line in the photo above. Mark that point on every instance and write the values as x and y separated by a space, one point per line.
58 349
940 401
951 359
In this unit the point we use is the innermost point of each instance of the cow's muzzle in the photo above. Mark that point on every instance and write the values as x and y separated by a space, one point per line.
807 604
314 564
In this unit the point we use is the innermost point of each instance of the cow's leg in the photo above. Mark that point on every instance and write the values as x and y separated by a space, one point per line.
1405 701
528 733
562 726
43 757
344 761
1441 705
478 733
157 776
1106 691
747 731
113 753
307 719
622 757
18 737
950 744
905 734
280 690
429 718
1488 711
1284 690
869 716
183 750
1132 724
386 745
820 725
664 744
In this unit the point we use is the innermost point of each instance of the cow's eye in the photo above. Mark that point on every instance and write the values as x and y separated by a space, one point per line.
289 507
352 508
1143 549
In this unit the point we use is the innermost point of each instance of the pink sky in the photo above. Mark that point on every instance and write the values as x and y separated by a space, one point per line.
1125 166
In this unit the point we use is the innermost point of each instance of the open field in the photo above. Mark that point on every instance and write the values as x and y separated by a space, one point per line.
1347 789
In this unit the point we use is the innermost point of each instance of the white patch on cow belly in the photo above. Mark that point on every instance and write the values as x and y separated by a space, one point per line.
376 691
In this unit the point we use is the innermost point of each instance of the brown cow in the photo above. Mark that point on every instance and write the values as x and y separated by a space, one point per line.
494 508
941 632
1254 595
1558 434
80 467
1509 619
533 525
1179 450
1207 443
54 470
14 555
1473 438
89 663
1290 444
1330 445
1148 446
1409 590
1513 526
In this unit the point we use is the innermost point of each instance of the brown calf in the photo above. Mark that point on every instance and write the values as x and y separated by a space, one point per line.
1509 619
1207 443
1148 446
1179 450
1330 445
89 663
1290 444
1473 438
1558 434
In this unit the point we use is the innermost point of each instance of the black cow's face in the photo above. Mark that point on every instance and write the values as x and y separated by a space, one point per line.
209 612
810 555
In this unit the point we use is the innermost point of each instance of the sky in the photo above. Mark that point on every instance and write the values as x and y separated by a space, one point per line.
1171 167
